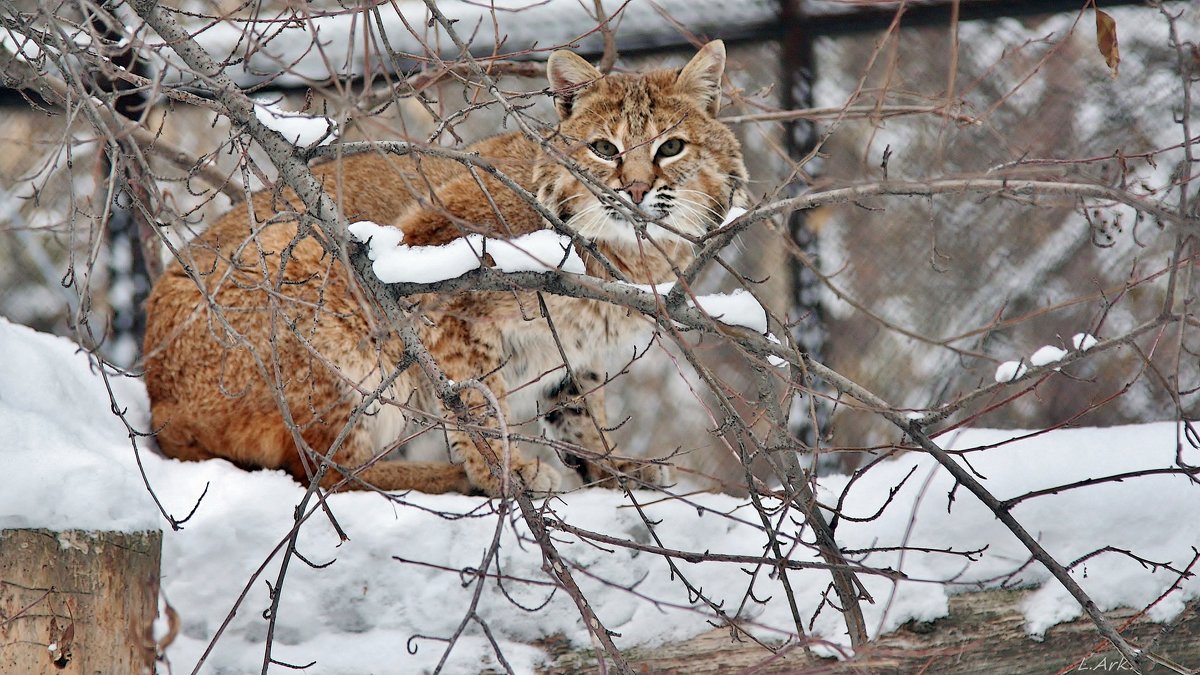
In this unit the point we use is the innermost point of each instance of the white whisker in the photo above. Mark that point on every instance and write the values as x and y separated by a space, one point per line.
588 209
573 197
589 222
707 197
709 209
706 212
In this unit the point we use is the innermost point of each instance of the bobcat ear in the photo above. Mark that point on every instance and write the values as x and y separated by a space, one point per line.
568 73
701 77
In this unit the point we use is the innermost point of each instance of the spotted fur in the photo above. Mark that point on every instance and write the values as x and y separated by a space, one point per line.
256 339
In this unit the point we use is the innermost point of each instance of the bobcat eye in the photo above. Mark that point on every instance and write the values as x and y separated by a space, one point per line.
605 149
670 148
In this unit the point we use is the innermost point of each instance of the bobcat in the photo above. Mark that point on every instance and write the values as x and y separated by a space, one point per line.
256 338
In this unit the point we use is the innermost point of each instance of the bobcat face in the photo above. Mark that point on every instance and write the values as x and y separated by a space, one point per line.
653 141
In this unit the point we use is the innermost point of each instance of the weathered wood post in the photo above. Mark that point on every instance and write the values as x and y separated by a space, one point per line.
78 601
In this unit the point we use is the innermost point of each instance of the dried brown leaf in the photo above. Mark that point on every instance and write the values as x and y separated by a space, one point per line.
1106 40
68 637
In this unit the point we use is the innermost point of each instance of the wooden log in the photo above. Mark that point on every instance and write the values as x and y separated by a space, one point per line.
984 634
78 601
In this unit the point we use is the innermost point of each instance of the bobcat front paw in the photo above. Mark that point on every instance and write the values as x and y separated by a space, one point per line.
638 474
539 477
656 475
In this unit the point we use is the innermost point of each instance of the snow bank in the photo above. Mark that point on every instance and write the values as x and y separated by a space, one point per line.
397 578
67 459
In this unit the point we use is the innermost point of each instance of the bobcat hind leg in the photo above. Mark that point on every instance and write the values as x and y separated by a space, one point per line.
389 475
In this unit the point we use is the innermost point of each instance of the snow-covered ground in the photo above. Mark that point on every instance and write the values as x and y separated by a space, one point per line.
69 463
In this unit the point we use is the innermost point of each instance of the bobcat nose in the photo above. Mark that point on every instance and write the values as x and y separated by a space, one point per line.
637 191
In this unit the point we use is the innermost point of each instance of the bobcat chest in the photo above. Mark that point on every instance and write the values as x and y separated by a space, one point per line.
586 334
